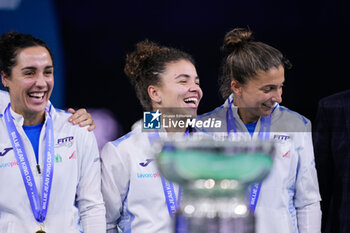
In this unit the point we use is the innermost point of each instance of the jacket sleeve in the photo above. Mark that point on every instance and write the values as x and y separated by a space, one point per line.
307 196
89 196
115 183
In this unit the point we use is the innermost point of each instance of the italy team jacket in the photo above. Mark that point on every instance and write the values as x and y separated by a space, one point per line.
75 202
289 199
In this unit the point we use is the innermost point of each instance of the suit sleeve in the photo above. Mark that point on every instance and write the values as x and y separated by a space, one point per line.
115 183
307 197
89 196
323 157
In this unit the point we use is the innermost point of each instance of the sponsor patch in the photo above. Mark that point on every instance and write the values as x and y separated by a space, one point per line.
281 137
148 175
286 155
145 164
58 158
9 164
4 151
73 155
67 142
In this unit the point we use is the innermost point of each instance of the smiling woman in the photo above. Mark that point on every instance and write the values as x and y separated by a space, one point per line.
44 195
30 84
179 91
163 77
253 76
136 197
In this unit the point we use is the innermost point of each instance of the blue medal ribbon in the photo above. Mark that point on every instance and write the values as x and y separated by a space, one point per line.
253 197
172 202
170 197
264 134
39 209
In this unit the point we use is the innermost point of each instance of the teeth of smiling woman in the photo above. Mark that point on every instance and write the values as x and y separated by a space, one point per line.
269 106
36 95
191 100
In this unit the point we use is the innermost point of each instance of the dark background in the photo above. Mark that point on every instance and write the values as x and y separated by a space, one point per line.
96 35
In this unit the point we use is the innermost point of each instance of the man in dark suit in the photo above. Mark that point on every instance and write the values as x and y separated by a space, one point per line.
331 137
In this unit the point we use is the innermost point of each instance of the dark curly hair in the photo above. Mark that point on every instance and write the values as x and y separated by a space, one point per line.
10 45
244 57
145 64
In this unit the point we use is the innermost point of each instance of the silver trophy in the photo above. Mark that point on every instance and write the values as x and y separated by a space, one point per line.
215 178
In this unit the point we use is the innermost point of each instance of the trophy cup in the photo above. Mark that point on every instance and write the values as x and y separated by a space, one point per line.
215 177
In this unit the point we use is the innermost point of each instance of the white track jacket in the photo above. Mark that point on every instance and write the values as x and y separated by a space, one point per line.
132 187
289 200
75 202
4 100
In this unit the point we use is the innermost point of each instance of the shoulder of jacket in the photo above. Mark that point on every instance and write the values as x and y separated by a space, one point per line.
4 93
60 119
287 115
214 112
131 139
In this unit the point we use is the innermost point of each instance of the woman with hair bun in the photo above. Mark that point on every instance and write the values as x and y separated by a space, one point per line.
288 200
134 192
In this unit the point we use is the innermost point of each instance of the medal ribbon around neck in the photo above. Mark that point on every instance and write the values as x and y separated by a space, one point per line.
265 123
264 134
39 209
172 202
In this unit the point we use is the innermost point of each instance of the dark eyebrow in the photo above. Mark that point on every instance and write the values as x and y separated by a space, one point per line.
270 85
185 76
29 68
34 68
